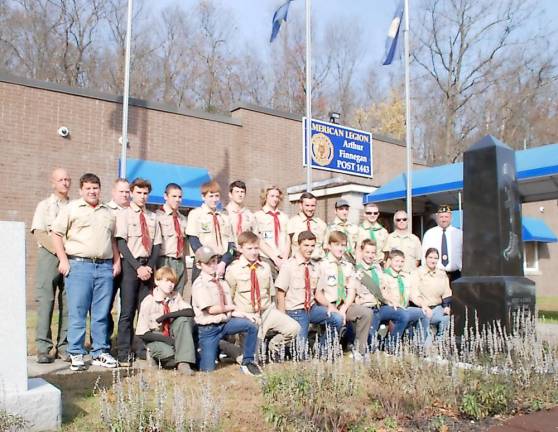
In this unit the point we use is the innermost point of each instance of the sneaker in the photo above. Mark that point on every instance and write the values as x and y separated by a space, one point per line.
251 369
105 360
77 363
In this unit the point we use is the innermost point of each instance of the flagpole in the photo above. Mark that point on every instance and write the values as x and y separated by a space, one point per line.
308 96
124 143
408 135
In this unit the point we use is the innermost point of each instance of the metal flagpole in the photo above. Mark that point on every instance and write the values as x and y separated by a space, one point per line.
124 138
308 96
408 138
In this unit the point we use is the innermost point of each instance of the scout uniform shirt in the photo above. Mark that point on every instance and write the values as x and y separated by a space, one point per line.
129 228
407 243
87 231
153 306
206 292
374 232
349 229
251 285
271 227
395 288
46 213
114 207
293 281
429 287
211 227
363 295
299 223
240 220
173 232
336 279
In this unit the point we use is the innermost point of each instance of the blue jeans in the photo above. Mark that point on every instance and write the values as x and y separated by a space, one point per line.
89 289
209 336
418 320
388 313
316 315
440 321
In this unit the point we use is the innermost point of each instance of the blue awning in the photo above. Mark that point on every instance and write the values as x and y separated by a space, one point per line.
160 174
533 229
537 174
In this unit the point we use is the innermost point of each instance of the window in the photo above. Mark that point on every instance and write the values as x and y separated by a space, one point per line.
531 257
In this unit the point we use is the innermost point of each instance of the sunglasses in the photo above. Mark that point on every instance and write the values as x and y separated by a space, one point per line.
372 213
401 220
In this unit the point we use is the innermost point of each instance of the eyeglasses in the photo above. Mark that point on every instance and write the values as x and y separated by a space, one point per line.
372 213
401 220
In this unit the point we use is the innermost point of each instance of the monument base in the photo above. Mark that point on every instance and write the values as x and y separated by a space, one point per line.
40 405
490 298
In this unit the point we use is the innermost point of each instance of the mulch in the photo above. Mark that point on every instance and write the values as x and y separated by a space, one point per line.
541 421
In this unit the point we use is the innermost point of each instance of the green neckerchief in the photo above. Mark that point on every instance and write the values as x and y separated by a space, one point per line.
373 273
401 285
341 292
372 230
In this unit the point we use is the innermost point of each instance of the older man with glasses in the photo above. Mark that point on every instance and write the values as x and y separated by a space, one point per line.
371 229
401 239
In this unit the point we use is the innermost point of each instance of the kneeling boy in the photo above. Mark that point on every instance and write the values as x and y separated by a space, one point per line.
165 324
217 316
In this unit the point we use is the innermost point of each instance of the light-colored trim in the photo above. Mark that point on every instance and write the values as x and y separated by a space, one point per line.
335 190
531 270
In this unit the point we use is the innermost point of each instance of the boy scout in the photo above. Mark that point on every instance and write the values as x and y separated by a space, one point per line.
297 294
341 223
217 316
404 241
165 324
240 217
396 289
271 227
172 225
82 235
371 229
139 241
338 283
306 221
208 226
252 292
47 278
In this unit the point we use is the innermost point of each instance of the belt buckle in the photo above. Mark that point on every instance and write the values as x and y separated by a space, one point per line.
96 260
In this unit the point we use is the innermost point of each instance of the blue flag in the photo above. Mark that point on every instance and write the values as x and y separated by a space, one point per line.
394 31
279 16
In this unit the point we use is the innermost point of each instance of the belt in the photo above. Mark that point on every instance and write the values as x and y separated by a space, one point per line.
142 260
432 307
173 258
90 260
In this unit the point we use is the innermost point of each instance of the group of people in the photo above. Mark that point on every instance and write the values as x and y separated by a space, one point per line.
262 276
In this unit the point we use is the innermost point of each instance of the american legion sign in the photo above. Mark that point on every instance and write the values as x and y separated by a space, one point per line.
338 148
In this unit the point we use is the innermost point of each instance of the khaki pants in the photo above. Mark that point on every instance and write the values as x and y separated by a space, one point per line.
287 328
179 266
361 317
183 350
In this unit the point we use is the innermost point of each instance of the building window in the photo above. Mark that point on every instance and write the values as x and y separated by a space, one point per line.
531 257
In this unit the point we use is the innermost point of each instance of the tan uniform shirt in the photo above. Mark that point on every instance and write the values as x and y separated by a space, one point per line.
152 308
391 291
128 227
265 229
297 224
365 231
87 231
169 235
200 224
363 295
238 276
330 278
428 287
349 229
114 207
240 220
407 243
206 294
44 216
291 280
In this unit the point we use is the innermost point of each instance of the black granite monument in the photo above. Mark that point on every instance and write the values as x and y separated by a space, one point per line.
493 284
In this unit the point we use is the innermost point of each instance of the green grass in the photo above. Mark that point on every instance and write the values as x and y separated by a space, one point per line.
548 309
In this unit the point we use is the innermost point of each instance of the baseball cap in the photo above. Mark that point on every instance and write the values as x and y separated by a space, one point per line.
204 254
341 203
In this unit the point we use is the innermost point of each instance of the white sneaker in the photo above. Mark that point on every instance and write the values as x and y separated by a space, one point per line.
105 360
77 363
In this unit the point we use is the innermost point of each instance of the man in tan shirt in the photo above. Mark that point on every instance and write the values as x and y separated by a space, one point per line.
341 223
208 226
401 239
252 292
271 227
172 225
240 216
371 229
306 220
83 238
139 241
48 280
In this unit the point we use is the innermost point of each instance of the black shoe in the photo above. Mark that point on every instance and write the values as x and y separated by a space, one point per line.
44 358
142 355
64 356
251 369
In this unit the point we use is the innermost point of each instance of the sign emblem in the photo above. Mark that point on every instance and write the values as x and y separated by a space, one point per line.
322 149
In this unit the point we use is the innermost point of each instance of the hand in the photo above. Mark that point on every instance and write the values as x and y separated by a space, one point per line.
343 313
144 273
116 268
220 269
64 267
447 310
331 308
229 308
278 262
427 311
